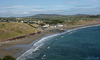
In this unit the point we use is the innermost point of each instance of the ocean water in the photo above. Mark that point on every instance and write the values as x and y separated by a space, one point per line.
75 44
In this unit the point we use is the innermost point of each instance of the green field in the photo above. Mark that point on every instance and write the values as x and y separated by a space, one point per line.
14 29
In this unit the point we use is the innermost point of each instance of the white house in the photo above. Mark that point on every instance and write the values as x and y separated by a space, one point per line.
53 26
22 21
47 25
60 25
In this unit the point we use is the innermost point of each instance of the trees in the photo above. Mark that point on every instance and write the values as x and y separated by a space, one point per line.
41 24
1 59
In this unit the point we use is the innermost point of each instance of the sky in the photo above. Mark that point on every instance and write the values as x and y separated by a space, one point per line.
20 8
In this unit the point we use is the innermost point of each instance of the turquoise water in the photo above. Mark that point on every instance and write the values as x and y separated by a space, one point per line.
77 44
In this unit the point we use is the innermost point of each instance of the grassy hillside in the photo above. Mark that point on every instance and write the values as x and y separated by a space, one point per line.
78 22
13 29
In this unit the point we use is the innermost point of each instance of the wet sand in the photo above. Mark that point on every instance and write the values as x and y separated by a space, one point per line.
17 47
9 47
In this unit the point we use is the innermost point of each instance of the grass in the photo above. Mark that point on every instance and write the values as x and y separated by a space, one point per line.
14 29
71 23
35 25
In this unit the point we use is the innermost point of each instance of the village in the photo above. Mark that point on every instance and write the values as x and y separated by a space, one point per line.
41 24
34 23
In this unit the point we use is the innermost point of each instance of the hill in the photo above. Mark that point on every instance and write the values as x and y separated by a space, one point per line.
14 29
46 15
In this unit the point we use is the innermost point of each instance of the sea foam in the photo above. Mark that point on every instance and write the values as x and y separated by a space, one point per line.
39 44
36 47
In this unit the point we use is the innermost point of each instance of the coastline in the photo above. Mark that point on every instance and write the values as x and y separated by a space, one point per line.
18 47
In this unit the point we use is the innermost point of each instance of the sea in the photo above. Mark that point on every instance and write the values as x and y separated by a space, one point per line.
75 44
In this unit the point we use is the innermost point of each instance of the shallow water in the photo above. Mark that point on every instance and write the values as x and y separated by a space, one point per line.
76 44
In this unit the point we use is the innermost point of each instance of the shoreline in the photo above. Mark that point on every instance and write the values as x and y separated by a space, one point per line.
18 47
20 37
61 32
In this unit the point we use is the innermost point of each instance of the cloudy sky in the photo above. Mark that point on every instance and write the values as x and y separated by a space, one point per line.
16 8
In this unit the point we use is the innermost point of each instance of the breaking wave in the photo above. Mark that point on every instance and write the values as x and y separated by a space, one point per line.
36 47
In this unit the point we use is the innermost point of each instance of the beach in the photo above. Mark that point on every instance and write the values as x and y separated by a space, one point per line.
17 47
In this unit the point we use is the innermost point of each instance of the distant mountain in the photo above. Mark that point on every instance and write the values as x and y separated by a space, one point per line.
81 14
46 15
56 15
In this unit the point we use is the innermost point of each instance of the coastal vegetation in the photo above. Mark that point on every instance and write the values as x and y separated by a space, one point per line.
8 57
14 29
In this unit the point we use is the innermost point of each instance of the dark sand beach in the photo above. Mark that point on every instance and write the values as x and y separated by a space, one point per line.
20 45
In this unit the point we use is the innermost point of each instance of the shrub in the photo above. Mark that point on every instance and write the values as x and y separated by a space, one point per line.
8 57
1 59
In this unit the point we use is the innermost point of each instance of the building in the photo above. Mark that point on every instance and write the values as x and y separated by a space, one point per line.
47 25
53 26
22 21
60 25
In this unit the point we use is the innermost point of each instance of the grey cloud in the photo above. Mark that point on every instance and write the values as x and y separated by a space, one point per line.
21 7
83 5
12 6
84 11
42 11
